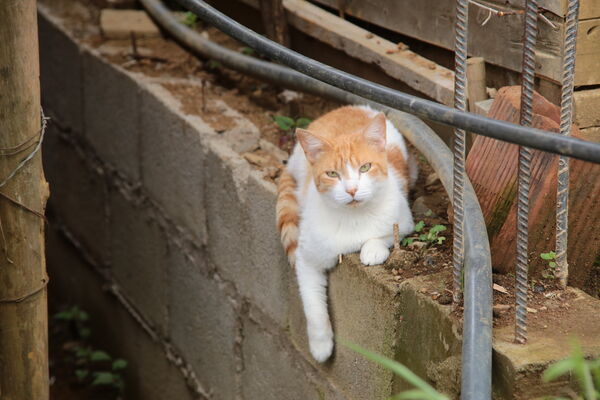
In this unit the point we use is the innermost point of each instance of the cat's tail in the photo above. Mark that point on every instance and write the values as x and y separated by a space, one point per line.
288 214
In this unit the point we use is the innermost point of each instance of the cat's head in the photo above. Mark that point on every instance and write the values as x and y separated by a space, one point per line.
350 170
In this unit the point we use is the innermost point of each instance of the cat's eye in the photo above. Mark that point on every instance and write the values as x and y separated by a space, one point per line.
332 174
365 167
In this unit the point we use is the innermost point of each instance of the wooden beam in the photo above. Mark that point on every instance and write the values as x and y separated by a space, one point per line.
475 81
23 279
274 21
499 41
395 59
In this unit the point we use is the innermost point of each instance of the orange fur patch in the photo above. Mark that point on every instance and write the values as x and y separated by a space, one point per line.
343 132
397 161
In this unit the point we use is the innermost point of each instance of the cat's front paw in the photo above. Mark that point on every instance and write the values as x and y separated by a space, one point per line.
321 345
374 252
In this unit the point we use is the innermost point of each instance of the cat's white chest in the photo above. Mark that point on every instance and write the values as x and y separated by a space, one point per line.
341 232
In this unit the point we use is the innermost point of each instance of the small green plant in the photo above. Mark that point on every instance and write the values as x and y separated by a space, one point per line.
549 273
213 64
422 391
77 318
430 237
587 372
93 367
190 19
287 127
249 51
287 124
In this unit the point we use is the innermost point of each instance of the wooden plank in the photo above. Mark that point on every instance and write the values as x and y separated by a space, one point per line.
499 41
589 9
397 61
588 53
274 22
587 108
475 81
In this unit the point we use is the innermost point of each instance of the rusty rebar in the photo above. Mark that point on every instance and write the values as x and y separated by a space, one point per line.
526 116
566 121
460 103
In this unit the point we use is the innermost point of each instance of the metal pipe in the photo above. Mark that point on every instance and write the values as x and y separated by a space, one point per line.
566 122
477 329
535 138
460 103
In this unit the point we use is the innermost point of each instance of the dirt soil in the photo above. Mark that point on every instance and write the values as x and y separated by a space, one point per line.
200 82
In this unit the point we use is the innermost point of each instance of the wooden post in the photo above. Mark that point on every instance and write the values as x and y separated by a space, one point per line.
23 309
274 21
475 81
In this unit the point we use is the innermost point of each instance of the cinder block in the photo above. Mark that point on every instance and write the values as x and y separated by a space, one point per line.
370 309
273 372
203 324
61 74
139 257
364 312
111 112
74 282
172 159
242 236
226 175
266 279
78 194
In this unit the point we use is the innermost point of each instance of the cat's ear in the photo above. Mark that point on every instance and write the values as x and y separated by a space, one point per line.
312 144
375 132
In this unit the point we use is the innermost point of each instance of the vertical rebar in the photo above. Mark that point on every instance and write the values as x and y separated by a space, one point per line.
460 103
566 121
526 116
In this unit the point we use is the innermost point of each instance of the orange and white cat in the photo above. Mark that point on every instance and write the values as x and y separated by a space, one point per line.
345 186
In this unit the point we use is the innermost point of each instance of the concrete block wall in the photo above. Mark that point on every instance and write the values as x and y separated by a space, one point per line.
167 235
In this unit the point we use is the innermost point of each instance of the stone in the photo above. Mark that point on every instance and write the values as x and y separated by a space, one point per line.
120 24
111 112
432 179
139 257
172 159
419 207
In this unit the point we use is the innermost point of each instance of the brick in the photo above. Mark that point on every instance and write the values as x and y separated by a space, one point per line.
111 112
61 74
203 324
172 159
119 24
139 258
272 372
78 193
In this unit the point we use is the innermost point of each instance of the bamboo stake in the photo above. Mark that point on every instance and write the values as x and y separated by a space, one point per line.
23 310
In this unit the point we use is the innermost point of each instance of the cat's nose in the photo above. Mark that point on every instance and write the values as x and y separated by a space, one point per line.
351 191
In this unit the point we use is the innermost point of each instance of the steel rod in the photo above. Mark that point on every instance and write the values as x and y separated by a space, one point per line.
526 116
566 122
460 103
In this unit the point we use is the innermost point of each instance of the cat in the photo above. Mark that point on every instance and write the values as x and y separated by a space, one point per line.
344 187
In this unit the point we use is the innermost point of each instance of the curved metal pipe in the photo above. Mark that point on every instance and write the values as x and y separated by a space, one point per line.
477 329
